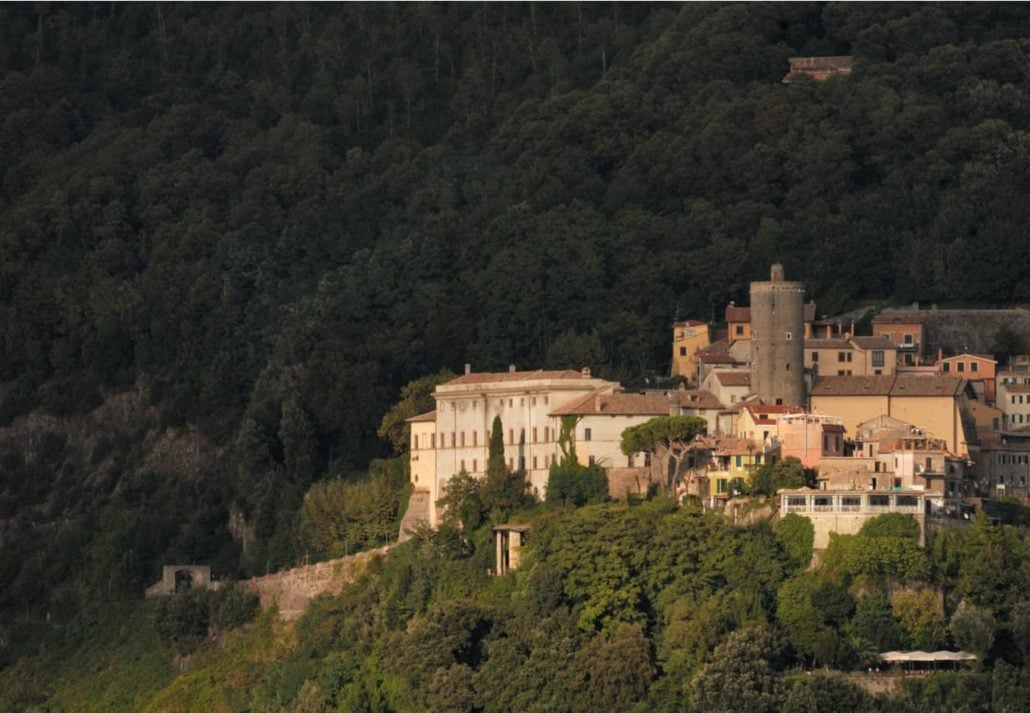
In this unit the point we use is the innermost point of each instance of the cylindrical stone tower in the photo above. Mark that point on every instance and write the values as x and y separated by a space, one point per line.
777 340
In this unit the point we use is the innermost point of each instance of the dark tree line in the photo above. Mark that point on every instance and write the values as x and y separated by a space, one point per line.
270 218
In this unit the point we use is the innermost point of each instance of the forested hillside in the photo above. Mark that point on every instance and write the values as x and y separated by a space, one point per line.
260 221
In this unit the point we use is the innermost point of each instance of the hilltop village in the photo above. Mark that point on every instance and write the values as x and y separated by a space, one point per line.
890 421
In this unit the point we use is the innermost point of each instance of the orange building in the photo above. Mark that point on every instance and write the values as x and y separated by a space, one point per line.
977 369
907 331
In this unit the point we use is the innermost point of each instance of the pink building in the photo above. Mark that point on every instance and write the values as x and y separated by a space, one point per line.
810 437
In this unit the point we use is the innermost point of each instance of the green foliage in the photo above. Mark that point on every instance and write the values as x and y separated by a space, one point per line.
827 693
742 675
340 517
570 483
862 556
785 473
973 629
566 438
893 524
921 615
184 618
666 438
874 622
796 534
462 502
416 398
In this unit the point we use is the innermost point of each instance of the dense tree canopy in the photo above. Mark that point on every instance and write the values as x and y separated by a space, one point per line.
261 222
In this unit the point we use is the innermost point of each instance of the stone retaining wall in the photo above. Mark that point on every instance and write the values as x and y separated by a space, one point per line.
290 590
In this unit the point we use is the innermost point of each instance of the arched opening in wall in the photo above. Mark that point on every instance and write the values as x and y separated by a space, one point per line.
183 580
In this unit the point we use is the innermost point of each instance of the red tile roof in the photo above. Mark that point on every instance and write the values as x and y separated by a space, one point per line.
888 385
899 318
699 399
734 378
827 344
429 416
616 404
492 377
1016 388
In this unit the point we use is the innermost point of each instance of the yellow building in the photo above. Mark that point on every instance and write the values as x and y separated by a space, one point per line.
851 356
731 461
687 338
934 404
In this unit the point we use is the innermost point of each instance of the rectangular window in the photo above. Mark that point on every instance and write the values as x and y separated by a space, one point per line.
840 356
878 358
534 401
850 503
947 367
795 502
475 438
739 330
534 462
789 336
739 460
908 339
592 460
880 501
586 434
454 439
849 356
462 439
511 436
432 440
815 356
973 366
683 351
961 366
534 436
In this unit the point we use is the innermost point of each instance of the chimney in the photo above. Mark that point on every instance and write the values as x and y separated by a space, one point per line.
585 372
511 368
468 369
776 273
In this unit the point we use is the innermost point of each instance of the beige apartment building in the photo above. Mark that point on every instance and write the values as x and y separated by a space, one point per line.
456 435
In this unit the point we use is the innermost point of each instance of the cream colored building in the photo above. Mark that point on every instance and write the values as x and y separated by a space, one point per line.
456 435
933 404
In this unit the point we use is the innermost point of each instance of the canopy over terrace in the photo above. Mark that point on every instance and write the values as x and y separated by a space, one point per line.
918 660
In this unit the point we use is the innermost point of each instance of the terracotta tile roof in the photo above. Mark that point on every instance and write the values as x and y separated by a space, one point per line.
1016 388
492 377
966 355
738 314
899 318
719 346
698 399
887 385
827 344
616 404
852 385
734 378
422 417
872 342
927 386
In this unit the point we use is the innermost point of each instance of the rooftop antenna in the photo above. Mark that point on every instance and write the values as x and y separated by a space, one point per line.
677 318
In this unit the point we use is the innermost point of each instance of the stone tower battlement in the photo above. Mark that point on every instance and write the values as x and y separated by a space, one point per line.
777 339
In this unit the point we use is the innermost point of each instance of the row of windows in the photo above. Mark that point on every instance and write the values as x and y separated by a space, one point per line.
961 366
459 440
1017 398
1019 418
546 460
1005 459
455 405
1015 380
